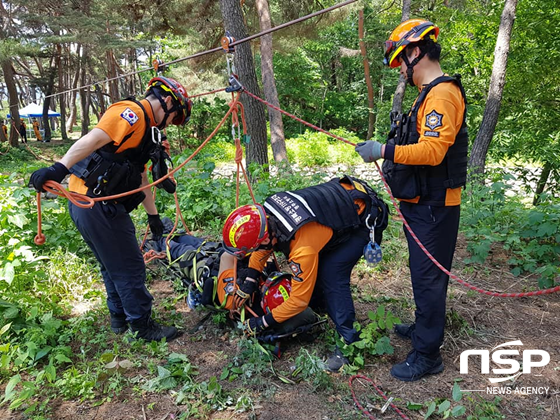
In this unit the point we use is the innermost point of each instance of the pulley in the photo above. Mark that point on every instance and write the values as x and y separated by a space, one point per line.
226 42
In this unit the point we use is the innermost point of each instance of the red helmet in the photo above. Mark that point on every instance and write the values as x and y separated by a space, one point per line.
276 290
244 230
181 101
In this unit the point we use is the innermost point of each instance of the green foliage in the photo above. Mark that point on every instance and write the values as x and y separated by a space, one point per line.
251 363
374 337
474 408
492 216
317 149
313 370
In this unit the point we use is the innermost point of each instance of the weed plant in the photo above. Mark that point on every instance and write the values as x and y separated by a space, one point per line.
493 215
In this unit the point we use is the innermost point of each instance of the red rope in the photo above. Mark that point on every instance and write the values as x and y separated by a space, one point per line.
362 409
407 226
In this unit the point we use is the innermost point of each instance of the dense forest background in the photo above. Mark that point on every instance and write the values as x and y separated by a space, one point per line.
54 47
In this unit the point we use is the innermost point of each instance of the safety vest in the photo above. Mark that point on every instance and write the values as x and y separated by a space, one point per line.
106 172
329 204
430 183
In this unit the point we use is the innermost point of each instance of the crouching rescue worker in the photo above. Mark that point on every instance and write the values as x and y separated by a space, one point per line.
426 167
109 160
322 231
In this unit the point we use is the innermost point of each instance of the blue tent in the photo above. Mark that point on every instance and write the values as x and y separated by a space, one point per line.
34 111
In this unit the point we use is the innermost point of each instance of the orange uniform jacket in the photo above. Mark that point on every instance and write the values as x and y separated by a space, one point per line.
447 102
124 123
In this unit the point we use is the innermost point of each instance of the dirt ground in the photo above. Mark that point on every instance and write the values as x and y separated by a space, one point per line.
476 322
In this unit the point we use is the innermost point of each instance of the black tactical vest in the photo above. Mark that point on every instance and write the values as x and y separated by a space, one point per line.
430 183
106 172
329 204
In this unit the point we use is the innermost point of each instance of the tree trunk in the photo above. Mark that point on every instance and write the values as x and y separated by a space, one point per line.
541 183
13 99
73 110
84 98
245 69
61 97
481 144
277 140
46 105
371 115
401 87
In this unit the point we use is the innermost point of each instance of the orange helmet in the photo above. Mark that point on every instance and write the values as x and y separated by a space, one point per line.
244 230
181 101
276 290
408 32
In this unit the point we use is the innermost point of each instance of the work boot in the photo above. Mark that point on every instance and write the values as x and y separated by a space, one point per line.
405 330
118 323
336 361
417 366
149 330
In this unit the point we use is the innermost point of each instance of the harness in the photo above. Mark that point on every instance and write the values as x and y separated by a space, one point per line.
430 183
107 171
329 204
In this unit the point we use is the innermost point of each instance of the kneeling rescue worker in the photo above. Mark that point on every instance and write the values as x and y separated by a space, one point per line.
322 231
109 160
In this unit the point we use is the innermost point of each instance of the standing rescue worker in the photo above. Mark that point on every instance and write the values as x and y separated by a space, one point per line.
426 167
5 129
36 130
322 231
109 160
23 131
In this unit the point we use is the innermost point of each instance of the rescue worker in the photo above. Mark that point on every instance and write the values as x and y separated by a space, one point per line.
322 231
36 130
5 129
426 167
23 131
111 159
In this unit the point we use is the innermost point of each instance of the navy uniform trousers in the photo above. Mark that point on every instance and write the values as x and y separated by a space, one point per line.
110 233
436 227
332 290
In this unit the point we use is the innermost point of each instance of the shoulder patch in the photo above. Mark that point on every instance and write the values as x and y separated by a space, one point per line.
433 120
296 269
130 116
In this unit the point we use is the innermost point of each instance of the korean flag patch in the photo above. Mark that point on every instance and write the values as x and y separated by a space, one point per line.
129 115
433 120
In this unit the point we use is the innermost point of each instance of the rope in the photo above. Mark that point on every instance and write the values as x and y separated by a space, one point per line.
213 50
207 93
84 201
362 409
407 226
252 95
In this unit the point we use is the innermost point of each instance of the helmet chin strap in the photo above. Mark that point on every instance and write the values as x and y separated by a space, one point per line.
410 66
167 112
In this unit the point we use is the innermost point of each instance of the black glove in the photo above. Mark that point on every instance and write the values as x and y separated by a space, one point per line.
160 169
254 326
156 225
248 283
56 172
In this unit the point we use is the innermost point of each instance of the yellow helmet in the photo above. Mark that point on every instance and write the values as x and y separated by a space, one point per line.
408 32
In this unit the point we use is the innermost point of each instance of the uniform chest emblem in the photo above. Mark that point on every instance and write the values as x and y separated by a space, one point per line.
433 120
130 116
